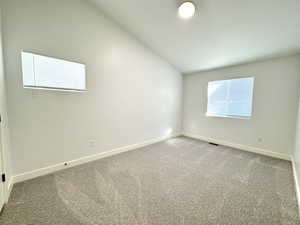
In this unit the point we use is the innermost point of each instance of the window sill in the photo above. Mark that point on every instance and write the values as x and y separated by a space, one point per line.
55 89
230 117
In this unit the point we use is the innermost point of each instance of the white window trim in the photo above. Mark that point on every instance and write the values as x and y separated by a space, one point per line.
54 88
227 97
34 87
231 117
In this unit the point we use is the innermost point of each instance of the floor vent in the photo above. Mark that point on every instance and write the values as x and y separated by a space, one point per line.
213 144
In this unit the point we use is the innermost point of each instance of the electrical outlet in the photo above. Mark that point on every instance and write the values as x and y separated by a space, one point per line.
92 143
260 139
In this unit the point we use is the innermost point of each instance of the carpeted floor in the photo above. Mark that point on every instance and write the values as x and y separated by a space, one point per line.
177 182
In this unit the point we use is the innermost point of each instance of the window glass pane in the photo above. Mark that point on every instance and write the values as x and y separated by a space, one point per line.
217 91
48 72
27 69
217 109
239 109
230 97
241 89
217 100
52 72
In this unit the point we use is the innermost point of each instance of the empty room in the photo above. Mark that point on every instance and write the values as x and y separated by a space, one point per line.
149 112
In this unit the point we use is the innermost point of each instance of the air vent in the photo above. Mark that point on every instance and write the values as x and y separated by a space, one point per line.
214 144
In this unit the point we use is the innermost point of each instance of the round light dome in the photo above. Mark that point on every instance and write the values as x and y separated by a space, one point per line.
187 10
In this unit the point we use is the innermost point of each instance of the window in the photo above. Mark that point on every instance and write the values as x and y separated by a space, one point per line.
41 72
230 98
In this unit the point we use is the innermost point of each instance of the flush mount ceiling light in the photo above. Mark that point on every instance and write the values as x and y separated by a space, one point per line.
187 10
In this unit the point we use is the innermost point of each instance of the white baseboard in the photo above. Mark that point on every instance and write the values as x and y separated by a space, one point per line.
296 184
241 147
60 166
9 189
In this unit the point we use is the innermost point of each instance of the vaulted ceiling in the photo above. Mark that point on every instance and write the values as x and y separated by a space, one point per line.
222 33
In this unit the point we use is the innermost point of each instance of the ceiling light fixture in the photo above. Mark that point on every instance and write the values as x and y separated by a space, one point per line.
187 9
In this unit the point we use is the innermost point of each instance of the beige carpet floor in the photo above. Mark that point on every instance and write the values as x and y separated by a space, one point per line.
181 181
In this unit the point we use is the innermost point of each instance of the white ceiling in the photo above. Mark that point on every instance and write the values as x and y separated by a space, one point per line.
222 33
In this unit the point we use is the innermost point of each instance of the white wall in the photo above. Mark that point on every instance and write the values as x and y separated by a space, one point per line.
5 133
272 125
133 95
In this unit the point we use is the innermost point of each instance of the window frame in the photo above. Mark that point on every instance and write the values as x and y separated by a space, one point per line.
231 116
51 88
